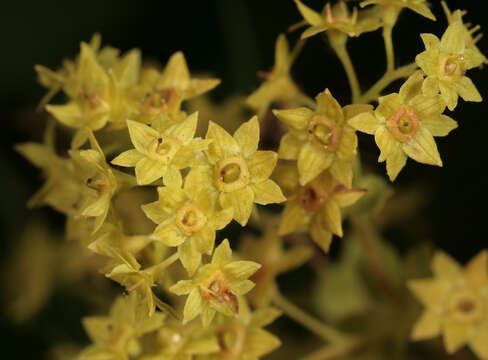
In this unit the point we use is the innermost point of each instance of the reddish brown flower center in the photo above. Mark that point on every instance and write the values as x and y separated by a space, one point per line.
217 288
231 174
465 306
190 219
312 197
403 124
451 67
161 101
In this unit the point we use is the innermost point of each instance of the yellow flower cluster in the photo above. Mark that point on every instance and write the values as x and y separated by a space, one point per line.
134 136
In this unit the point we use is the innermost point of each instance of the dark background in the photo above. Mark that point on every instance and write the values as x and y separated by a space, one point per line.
230 39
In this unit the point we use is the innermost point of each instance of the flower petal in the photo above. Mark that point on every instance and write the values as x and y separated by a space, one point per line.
267 192
428 106
454 39
311 16
148 171
476 272
347 150
189 256
430 86
329 106
439 125
312 161
449 94
428 61
222 146
193 305
388 105
445 267
141 135
175 74
241 201
412 86
365 122
290 147
331 215
128 158
422 148
222 254
313 30
293 218
456 335
478 343
342 172
427 326
182 287
467 90
184 130
155 212
168 233
320 234
241 270
296 119
385 142
430 41
395 162
247 137
204 240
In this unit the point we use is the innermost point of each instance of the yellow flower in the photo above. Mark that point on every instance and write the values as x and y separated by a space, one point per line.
117 336
404 125
468 30
161 151
240 172
216 286
316 207
101 182
445 62
268 250
187 218
456 302
279 86
162 93
321 139
391 8
243 337
336 19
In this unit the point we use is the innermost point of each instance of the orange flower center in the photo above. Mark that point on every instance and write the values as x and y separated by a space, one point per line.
312 197
403 124
231 174
324 133
216 288
190 219
161 101
340 13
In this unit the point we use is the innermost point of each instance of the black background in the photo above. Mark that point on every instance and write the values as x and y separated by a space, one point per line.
230 39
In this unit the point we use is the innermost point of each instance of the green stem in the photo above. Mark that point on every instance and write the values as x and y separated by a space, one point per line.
164 264
306 320
375 91
343 55
390 53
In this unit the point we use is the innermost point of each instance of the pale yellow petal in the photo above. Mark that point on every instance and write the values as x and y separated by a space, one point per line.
313 30
430 41
128 158
388 105
193 305
241 287
412 86
311 16
189 256
454 39
282 55
428 61
296 119
329 106
247 137
175 74
148 171
168 233
439 125
456 335
428 106
427 326
422 148
331 215
385 142
430 292
449 94
182 287
199 86
312 161
467 90
241 270
141 135
241 201
293 218
222 254
347 197
184 131
476 272
395 162
320 234
347 149
155 212
365 122
290 146
478 343
342 172
69 114
204 240
223 144
445 267
267 192
430 86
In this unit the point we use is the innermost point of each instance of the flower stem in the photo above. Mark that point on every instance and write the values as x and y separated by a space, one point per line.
390 53
164 264
375 91
306 320
343 55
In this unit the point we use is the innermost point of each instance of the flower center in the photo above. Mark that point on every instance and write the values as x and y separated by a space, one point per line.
92 104
231 174
465 306
216 288
340 13
161 101
452 67
403 124
190 219
163 149
324 133
312 197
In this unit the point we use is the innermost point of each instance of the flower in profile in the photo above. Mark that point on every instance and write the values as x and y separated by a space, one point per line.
162 150
216 286
278 85
445 63
116 336
336 18
163 92
404 125
470 31
240 172
321 139
394 7
188 218
243 337
316 208
456 304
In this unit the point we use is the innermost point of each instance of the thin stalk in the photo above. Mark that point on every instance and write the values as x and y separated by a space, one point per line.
307 321
390 53
164 264
343 55
375 91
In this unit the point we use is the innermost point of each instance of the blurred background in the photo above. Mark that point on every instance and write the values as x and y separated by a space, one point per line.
231 40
